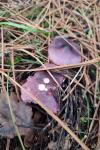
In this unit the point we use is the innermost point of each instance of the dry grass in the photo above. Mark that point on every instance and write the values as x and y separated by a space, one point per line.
26 32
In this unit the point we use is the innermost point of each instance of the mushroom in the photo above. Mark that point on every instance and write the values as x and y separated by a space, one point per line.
63 52
41 85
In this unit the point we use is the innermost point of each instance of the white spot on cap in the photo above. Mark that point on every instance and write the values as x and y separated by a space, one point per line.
46 89
41 87
46 80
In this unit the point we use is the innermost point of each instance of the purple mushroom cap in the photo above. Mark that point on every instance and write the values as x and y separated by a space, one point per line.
41 85
61 52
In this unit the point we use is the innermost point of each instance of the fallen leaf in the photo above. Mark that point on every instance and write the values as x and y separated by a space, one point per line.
22 113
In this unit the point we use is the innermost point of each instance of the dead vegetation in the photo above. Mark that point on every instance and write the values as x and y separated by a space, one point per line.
27 28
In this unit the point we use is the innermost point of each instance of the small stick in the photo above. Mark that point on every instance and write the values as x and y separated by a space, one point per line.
8 144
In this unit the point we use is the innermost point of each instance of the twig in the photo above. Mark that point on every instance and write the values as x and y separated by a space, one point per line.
8 144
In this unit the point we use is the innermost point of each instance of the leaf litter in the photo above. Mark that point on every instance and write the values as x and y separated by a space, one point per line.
79 22
23 116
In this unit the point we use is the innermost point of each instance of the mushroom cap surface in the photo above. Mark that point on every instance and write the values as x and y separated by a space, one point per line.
41 85
63 52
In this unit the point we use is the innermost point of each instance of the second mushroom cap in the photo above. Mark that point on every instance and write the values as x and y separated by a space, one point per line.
63 52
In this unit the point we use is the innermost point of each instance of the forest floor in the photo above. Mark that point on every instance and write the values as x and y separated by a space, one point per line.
26 30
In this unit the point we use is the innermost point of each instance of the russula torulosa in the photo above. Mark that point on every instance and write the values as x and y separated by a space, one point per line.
41 85
63 52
